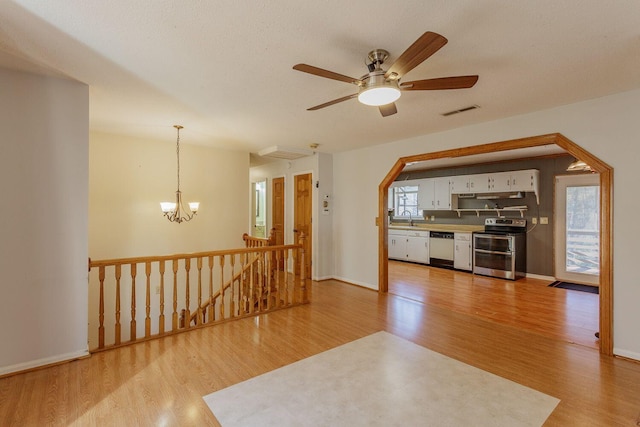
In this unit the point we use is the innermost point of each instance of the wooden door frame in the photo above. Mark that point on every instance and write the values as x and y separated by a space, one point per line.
606 214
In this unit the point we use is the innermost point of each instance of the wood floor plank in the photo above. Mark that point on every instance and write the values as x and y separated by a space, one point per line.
528 304
161 382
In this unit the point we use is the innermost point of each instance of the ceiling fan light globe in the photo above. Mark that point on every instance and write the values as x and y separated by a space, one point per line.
377 96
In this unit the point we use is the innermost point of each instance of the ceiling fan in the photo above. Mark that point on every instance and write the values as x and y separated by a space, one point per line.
382 88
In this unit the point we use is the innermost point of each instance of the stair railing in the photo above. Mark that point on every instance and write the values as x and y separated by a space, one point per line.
227 284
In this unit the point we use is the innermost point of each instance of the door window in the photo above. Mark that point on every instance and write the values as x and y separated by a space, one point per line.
577 228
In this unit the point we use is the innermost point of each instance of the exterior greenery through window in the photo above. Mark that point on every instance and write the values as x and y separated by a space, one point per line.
405 201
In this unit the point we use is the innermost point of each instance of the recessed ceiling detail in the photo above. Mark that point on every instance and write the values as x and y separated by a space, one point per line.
286 153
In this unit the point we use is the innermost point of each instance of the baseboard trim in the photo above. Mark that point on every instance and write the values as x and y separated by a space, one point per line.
46 362
353 282
627 354
540 277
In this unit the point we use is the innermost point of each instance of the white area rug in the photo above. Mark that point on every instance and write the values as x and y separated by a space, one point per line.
379 380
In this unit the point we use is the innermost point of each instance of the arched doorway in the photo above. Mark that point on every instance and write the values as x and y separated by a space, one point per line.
606 217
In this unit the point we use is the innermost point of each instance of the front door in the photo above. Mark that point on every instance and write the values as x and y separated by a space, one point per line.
302 217
577 228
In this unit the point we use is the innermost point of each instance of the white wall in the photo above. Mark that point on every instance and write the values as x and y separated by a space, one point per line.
129 177
43 231
607 127
320 166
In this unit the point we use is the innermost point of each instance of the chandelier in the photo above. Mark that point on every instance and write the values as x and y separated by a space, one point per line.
175 211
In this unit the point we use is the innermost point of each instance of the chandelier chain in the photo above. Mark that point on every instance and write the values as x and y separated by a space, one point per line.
176 212
178 127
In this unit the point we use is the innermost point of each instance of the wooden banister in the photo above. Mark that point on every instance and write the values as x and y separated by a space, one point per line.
241 282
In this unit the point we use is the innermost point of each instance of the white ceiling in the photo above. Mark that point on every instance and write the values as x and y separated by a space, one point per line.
223 69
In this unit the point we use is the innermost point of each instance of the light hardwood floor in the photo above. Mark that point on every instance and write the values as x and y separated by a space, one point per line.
162 382
527 304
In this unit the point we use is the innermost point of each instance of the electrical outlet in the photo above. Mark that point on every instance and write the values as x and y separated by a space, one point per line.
544 220
534 220
158 290
433 217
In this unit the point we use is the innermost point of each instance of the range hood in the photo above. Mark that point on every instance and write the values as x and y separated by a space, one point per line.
493 196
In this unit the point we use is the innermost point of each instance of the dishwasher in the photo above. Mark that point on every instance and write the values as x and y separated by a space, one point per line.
441 249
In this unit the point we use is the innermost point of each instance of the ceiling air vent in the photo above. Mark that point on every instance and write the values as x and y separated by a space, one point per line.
286 153
461 110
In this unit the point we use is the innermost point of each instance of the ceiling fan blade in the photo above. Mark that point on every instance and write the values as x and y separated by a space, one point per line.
325 73
335 101
387 110
428 44
459 82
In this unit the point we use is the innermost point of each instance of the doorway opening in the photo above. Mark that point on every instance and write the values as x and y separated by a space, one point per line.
259 205
606 213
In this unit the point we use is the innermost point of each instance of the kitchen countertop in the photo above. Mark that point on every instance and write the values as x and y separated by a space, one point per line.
439 227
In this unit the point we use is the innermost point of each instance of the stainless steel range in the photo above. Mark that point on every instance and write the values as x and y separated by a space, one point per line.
501 249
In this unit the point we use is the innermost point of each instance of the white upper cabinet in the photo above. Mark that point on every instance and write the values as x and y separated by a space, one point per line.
435 194
479 183
500 182
442 193
525 180
460 184
426 194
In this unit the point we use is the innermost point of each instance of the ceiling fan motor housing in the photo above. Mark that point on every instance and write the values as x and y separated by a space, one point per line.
377 58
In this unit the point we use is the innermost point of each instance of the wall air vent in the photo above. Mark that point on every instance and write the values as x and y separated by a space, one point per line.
287 153
462 110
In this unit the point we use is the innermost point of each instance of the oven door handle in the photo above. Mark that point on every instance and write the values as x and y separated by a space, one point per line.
492 237
493 252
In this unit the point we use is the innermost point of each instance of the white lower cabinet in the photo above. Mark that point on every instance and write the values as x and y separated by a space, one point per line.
462 256
405 245
398 245
418 247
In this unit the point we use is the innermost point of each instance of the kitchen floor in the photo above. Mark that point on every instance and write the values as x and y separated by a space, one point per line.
527 304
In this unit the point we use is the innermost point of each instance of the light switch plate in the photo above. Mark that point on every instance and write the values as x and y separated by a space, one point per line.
544 220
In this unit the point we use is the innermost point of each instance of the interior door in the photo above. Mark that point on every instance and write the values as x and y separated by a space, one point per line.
277 212
302 217
577 228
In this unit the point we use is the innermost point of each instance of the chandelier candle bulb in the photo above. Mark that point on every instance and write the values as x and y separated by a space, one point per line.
167 207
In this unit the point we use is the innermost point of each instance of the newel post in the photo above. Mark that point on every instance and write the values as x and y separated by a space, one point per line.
303 273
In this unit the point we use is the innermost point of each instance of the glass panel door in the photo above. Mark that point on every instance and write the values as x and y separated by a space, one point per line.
577 228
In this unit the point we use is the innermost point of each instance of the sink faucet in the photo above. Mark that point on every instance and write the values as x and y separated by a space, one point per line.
410 217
